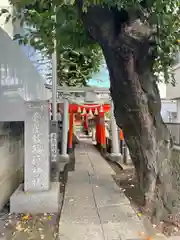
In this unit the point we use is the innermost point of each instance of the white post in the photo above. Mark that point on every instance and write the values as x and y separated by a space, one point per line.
126 155
54 78
114 137
54 126
65 128
54 86
93 134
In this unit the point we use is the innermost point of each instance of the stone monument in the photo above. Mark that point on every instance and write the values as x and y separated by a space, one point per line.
37 194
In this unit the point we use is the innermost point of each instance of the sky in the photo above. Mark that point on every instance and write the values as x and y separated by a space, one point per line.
100 79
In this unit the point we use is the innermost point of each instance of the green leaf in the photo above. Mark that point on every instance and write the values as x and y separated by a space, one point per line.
48 17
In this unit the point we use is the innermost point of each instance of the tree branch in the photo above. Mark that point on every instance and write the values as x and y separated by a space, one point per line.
98 21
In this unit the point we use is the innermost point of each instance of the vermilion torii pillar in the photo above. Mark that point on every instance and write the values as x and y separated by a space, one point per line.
97 130
102 130
71 121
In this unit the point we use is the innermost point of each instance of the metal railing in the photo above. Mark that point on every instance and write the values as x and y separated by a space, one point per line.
174 129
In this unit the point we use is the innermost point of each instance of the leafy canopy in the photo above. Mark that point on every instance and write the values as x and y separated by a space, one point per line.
76 67
163 16
77 56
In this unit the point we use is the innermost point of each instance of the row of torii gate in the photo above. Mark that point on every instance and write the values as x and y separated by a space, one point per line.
90 102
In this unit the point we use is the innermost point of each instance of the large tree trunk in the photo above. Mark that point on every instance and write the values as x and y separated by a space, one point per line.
137 103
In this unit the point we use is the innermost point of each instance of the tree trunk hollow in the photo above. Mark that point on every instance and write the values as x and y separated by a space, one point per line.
137 109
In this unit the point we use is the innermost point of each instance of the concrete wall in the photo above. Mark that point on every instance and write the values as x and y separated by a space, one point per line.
169 110
11 160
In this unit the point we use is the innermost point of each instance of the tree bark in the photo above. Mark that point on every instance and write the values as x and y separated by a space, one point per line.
137 103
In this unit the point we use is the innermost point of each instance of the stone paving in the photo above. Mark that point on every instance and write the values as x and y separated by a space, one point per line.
94 206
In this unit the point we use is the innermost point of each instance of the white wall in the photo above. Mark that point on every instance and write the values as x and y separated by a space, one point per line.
174 92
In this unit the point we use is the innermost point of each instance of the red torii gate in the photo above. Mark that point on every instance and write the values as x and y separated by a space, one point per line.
97 110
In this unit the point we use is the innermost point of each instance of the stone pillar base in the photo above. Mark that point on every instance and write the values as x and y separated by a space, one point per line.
58 167
116 157
72 162
36 202
127 159
103 150
63 158
61 163
94 142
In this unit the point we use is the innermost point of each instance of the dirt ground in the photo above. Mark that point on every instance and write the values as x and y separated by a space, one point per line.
30 227
126 180
26 226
